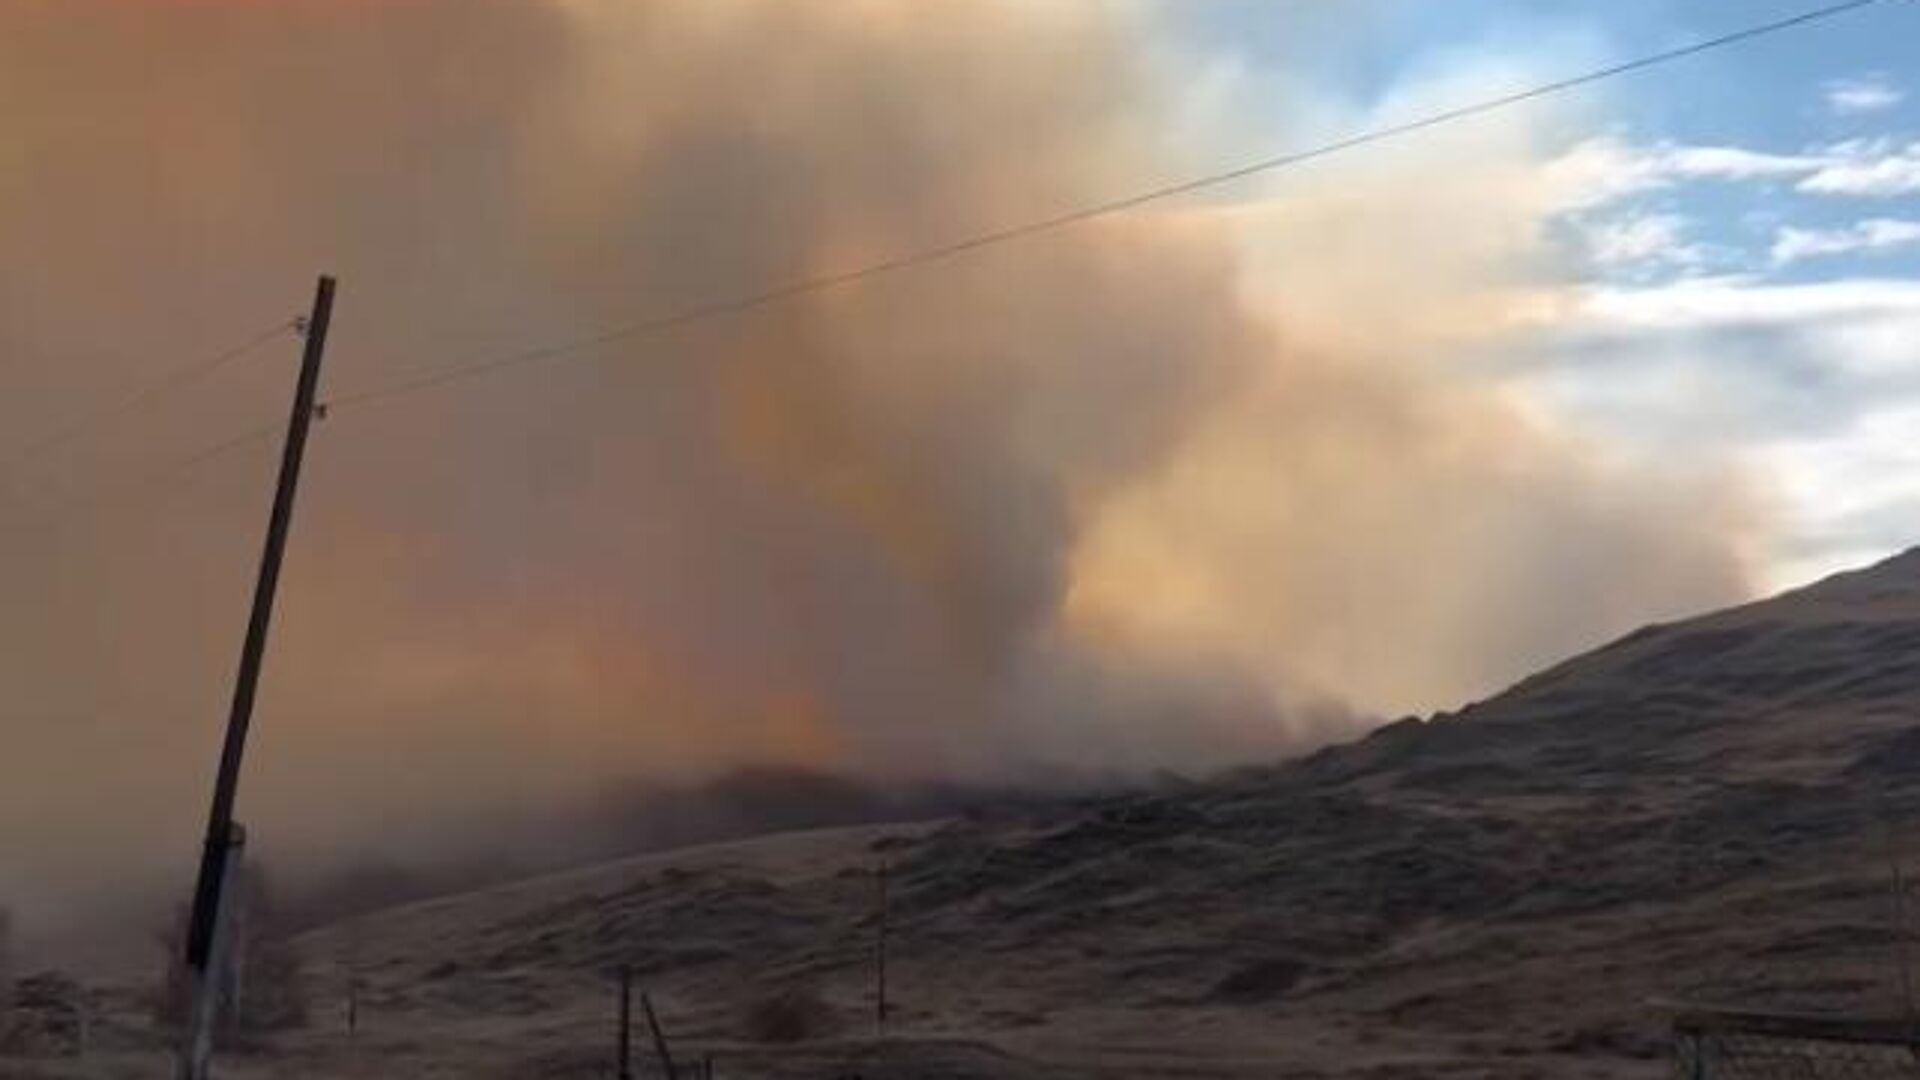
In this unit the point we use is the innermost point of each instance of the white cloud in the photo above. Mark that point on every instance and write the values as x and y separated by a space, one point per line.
1872 93
1876 234
1641 239
1853 491
1732 163
1713 302
1814 386
1867 167
1606 169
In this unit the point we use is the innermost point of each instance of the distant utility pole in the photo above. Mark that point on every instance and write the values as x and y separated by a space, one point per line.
623 1049
1902 943
880 953
353 986
659 1040
212 889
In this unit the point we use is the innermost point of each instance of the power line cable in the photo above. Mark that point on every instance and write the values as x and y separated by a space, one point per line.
170 382
155 479
748 302
944 252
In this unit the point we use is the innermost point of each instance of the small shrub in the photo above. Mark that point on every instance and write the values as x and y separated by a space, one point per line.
793 1015
1260 981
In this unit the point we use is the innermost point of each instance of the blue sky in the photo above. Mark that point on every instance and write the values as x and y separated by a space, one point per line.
1745 235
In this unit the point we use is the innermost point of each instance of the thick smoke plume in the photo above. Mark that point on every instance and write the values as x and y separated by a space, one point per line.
1174 488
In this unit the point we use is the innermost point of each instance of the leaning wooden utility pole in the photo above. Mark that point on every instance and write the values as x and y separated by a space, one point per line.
207 1000
213 889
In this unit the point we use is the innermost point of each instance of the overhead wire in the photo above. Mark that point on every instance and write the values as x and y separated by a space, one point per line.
170 382
445 376
148 482
953 249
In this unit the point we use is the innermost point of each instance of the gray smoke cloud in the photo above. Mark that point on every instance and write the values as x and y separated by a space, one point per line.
1182 487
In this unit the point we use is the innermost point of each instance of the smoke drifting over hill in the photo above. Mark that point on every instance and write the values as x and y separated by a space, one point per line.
1179 487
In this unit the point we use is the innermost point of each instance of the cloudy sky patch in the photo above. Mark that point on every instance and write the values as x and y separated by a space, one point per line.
1740 234
1873 235
1869 94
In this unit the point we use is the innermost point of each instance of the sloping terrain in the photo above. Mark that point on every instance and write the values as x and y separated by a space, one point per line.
1708 810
